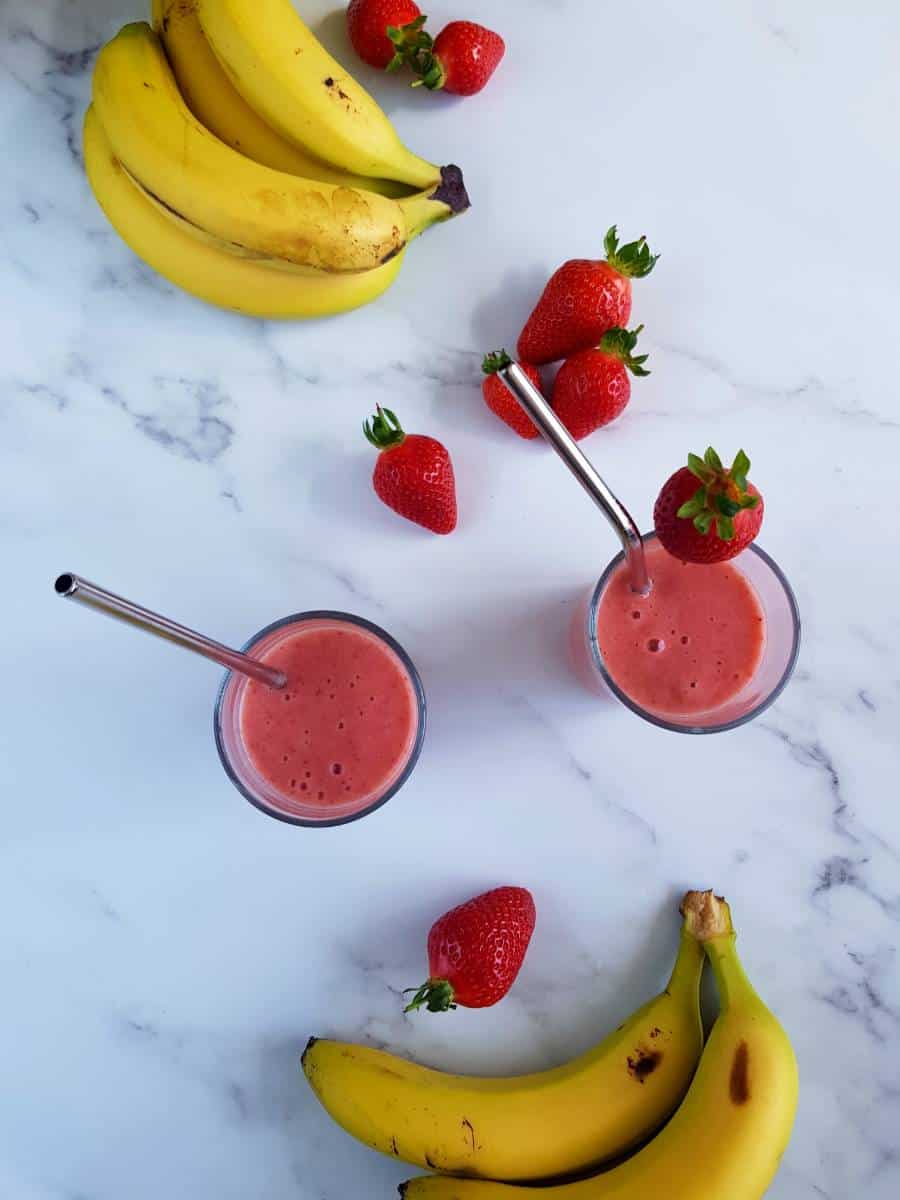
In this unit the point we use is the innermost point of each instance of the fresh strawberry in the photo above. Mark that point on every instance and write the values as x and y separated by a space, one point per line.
500 401
368 22
592 387
461 59
475 951
685 514
584 299
413 474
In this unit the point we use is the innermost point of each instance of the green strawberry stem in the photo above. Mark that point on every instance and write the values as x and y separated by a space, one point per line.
384 430
436 995
413 48
633 259
495 361
619 343
722 493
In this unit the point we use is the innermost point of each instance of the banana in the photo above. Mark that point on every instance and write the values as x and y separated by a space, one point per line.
167 150
727 1138
212 274
531 1126
213 100
292 81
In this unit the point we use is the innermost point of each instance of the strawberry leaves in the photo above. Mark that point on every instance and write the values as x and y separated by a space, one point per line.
384 429
633 260
721 496
495 361
619 343
409 41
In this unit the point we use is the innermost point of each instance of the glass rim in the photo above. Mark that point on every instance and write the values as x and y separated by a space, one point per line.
415 751
662 722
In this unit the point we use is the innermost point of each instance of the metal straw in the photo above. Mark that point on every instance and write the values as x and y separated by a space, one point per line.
568 450
73 587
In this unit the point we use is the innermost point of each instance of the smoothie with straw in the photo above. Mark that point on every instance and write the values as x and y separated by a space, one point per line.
691 644
341 731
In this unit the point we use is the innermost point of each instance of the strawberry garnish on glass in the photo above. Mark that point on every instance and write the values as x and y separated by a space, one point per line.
475 951
584 299
706 512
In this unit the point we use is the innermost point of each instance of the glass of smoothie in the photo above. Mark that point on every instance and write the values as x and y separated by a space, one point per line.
343 734
706 649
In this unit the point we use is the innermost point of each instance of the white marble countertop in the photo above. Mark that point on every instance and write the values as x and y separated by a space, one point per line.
167 950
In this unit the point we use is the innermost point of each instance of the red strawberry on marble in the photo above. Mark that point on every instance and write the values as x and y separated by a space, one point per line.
475 951
707 513
583 299
592 387
499 399
460 60
413 474
368 22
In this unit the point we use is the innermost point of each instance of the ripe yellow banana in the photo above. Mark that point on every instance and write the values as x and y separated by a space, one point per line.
213 100
291 80
167 150
215 275
727 1138
529 1126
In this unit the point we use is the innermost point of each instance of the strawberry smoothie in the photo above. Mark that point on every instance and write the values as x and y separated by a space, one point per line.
689 646
339 737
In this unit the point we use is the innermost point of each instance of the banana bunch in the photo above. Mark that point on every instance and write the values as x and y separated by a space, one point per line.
236 156
735 1110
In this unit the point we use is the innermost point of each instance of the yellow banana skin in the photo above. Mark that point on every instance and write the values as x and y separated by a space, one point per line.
291 80
214 275
168 151
727 1138
531 1126
215 102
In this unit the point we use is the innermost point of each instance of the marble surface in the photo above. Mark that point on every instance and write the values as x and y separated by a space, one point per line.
166 949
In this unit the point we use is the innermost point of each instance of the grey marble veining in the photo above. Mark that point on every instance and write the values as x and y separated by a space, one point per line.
167 950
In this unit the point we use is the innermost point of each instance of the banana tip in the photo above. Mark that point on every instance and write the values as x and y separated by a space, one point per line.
452 190
309 1045
706 915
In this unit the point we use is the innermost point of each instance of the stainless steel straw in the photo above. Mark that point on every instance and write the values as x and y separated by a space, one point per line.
584 471
73 587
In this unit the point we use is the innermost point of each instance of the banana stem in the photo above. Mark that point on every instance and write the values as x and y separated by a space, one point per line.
706 915
686 971
436 203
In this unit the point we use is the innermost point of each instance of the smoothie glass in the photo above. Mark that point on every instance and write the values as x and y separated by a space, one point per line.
775 667
357 727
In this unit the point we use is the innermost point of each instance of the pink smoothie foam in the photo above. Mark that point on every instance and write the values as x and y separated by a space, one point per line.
343 728
690 645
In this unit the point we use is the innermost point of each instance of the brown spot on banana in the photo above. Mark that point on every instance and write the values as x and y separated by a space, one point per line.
643 1063
470 1131
739 1082
395 1149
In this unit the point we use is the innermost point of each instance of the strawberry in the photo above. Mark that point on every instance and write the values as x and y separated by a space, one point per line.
500 401
684 514
461 59
413 474
584 299
592 387
368 22
475 951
